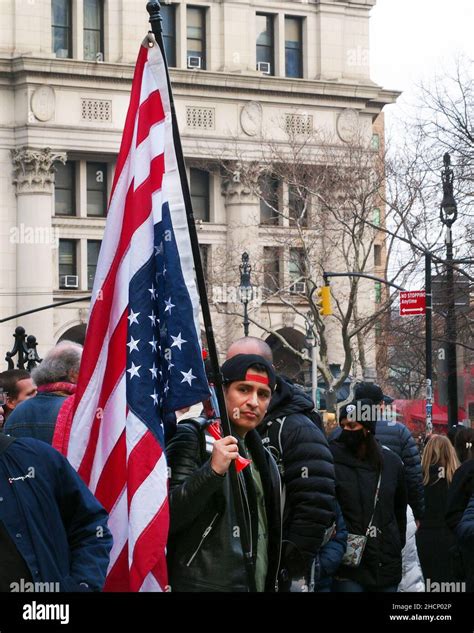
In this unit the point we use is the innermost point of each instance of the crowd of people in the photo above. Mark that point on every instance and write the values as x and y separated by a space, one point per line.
358 511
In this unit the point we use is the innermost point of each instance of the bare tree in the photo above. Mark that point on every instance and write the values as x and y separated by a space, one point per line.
328 218
440 120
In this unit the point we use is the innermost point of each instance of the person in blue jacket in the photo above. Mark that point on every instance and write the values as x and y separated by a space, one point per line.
465 538
52 528
330 555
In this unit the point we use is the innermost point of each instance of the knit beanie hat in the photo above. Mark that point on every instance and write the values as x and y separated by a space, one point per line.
362 411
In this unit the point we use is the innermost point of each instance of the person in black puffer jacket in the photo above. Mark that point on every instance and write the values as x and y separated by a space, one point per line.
359 461
465 538
462 487
204 549
398 439
307 472
306 467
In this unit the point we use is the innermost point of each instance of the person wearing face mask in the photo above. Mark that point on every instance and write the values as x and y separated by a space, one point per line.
371 491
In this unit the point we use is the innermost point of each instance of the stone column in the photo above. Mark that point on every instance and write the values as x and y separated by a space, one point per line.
239 186
35 239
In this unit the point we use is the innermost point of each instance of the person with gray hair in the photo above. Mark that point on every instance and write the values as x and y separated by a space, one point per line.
56 378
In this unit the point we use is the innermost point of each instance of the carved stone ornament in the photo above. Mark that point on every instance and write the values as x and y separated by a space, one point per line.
42 103
251 118
348 125
240 181
33 169
288 319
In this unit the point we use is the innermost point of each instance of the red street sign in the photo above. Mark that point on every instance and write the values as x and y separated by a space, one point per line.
412 303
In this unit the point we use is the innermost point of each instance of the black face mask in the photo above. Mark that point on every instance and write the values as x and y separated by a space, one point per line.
352 439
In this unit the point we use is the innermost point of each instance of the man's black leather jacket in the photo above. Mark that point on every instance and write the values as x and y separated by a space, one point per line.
204 547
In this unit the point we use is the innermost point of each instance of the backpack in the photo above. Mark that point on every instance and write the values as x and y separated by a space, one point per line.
272 441
200 423
272 437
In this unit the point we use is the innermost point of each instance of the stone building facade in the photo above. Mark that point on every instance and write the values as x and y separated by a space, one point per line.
241 70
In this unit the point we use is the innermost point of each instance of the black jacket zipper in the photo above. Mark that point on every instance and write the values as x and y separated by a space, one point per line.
204 535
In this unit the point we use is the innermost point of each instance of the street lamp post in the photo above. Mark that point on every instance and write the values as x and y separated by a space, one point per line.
312 346
245 289
25 347
428 346
448 214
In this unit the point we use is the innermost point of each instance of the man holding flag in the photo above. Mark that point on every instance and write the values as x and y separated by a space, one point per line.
142 355
205 552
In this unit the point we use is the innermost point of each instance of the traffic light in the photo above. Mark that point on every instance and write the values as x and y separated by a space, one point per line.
324 303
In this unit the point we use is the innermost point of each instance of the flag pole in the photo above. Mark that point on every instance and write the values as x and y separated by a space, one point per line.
154 9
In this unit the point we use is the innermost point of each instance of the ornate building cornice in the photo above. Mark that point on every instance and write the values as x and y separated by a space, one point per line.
33 169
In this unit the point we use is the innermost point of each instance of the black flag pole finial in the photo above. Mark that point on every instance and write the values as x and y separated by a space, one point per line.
154 10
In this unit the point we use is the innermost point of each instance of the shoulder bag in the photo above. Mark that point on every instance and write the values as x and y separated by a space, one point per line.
356 542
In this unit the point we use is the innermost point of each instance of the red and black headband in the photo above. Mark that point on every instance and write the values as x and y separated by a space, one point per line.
240 368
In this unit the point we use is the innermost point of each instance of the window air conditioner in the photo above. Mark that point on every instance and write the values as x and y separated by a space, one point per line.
264 67
194 62
299 287
69 281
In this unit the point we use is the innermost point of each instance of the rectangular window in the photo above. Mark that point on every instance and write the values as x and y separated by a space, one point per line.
61 27
64 189
94 30
377 255
378 292
196 37
67 261
93 248
269 200
377 217
271 270
293 47
298 206
296 264
265 42
200 194
375 142
168 13
97 189
296 269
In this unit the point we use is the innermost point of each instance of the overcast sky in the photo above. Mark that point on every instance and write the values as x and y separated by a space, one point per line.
412 39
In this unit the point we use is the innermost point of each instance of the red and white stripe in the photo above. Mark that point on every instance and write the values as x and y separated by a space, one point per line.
114 452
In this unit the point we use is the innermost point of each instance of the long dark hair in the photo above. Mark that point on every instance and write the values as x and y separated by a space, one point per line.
370 451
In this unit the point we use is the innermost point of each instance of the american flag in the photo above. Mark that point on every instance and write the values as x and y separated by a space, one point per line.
142 354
